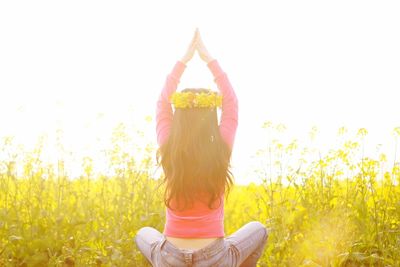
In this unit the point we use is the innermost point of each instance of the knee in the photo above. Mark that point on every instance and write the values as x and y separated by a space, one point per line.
141 233
147 235
261 228
144 230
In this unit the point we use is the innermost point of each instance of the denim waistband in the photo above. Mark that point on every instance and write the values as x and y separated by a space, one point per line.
206 252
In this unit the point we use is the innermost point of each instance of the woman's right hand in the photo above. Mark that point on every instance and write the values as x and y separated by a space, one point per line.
202 50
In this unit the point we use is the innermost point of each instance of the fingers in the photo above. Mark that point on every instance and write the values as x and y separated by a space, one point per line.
191 48
193 43
200 44
195 36
199 40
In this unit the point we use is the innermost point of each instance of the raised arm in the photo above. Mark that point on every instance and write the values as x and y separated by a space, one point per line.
229 114
164 112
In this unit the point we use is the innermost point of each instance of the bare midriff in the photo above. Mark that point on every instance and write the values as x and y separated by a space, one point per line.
190 243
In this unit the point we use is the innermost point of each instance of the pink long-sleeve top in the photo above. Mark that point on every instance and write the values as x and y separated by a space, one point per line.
199 221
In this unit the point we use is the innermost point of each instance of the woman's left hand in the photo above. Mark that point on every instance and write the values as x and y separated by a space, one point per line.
191 49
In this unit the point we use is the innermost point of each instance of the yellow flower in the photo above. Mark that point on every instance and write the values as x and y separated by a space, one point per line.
191 99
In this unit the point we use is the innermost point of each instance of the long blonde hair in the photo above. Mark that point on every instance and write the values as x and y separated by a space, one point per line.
195 158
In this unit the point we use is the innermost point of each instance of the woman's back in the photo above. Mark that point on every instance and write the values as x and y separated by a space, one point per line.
199 221
199 225
204 224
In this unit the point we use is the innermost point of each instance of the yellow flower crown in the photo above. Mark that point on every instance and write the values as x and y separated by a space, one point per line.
196 100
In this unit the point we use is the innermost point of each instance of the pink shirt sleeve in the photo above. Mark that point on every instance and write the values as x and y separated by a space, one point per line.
229 115
164 113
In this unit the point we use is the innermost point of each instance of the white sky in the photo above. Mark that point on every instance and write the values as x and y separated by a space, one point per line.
301 63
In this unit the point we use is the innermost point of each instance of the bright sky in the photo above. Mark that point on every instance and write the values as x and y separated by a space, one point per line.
85 65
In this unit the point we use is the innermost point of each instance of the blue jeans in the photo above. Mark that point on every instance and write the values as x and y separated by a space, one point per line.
242 248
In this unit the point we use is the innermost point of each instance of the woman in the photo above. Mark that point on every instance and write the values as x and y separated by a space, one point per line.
195 153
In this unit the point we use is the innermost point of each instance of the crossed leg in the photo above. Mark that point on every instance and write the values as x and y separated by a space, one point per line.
249 242
145 240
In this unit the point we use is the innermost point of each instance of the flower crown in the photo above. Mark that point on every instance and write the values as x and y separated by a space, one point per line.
196 100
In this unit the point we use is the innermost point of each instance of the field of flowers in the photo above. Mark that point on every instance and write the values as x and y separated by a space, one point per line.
339 208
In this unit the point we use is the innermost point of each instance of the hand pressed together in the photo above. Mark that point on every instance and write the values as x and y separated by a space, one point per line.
197 45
